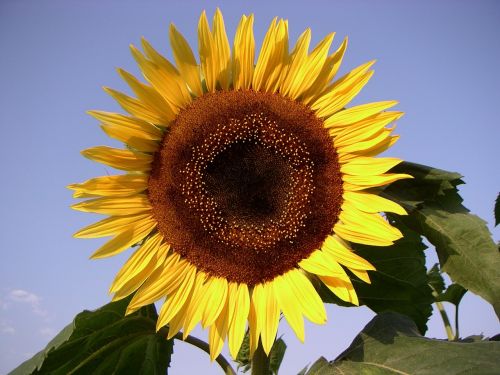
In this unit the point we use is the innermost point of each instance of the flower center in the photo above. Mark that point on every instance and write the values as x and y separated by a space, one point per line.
246 185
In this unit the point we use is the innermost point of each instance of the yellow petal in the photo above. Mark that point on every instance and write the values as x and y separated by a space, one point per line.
135 282
311 304
372 203
320 263
120 159
364 228
150 97
207 51
150 131
166 81
176 300
243 54
367 166
257 304
364 129
134 204
272 58
342 289
185 61
137 108
181 319
267 313
355 114
218 331
112 186
287 301
361 274
140 260
354 183
111 226
124 240
297 67
241 305
132 138
222 51
343 91
345 256
213 301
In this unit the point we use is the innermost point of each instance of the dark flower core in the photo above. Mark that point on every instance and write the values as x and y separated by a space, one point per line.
246 185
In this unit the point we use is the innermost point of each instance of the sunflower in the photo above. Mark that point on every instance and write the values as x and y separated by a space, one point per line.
244 182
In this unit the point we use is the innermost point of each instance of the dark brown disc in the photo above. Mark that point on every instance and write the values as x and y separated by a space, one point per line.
246 185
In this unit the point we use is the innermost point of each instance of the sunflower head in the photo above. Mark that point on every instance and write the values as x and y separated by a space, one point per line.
245 180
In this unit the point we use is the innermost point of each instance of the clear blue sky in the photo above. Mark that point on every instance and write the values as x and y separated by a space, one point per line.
439 59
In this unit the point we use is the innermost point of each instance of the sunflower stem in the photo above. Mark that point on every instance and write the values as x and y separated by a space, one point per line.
444 316
260 361
223 362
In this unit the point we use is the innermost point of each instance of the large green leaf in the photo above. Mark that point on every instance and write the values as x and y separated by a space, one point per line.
391 344
400 282
105 341
466 251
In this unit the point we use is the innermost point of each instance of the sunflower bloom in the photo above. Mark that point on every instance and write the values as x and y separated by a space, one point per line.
245 180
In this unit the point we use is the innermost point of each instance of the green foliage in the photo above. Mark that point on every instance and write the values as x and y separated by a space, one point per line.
463 243
391 344
275 356
400 282
497 210
435 278
105 341
453 294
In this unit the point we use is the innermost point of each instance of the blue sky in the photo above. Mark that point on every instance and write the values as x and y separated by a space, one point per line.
439 59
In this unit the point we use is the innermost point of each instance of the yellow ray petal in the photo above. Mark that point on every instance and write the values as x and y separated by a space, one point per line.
311 304
272 58
141 259
312 66
164 281
358 113
177 299
243 54
372 203
257 304
216 292
343 91
320 263
166 82
111 225
328 71
267 314
367 166
197 305
218 330
132 138
297 66
287 301
241 305
364 129
342 289
345 256
207 53
120 159
125 239
361 274
222 50
185 61
149 96
364 228
137 108
354 183
115 186
181 318
134 204
119 120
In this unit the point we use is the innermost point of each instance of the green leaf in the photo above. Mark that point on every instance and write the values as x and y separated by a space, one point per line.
391 344
436 279
400 281
105 341
275 355
497 210
463 242
453 294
